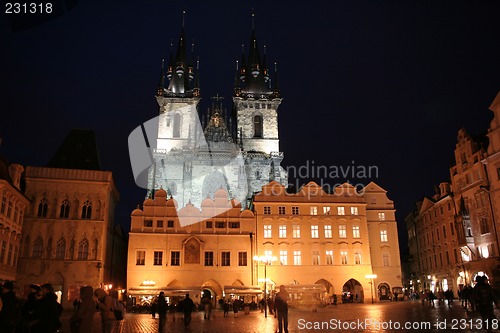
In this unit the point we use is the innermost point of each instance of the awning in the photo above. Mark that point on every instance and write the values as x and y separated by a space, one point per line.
242 290
169 291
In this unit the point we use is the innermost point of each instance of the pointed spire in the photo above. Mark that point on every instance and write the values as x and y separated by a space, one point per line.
161 84
276 88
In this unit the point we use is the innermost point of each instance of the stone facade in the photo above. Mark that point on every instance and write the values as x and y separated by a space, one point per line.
69 237
13 208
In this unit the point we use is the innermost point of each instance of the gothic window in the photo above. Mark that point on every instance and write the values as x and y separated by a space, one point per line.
61 248
64 213
94 250
42 208
177 126
38 248
87 210
257 126
72 249
83 250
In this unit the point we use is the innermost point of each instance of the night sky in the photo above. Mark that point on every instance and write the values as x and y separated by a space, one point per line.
380 83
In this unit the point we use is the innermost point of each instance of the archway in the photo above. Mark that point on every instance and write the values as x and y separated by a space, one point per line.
384 291
352 291
214 288
57 282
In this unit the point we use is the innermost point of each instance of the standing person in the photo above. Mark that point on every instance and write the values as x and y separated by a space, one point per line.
206 302
82 320
187 308
281 307
47 311
226 308
162 311
154 307
236 306
483 300
105 306
270 304
9 312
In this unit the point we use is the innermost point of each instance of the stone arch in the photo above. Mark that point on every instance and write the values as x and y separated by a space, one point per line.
384 291
350 289
329 287
214 287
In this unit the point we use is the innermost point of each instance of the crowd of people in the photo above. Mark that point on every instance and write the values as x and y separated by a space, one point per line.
41 312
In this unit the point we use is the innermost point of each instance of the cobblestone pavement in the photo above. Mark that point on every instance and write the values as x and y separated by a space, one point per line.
379 317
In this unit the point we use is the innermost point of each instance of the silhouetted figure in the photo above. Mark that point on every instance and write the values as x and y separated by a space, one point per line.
187 308
82 320
483 300
281 307
226 307
9 314
105 305
47 311
162 311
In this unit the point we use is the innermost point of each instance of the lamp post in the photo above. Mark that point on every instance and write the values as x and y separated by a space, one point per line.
371 277
266 260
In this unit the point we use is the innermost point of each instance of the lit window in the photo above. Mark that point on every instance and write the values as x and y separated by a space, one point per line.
314 231
267 231
341 210
226 258
343 257
297 258
329 257
314 210
158 258
354 211
296 231
175 258
284 257
242 259
281 210
328 231
315 258
383 236
381 216
267 210
326 210
140 258
357 258
268 253
342 231
295 210
355 231
282 231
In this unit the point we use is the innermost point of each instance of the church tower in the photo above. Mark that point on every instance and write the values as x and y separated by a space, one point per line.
256 100
178 97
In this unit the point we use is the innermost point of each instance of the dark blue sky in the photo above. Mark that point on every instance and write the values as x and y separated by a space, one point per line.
385 83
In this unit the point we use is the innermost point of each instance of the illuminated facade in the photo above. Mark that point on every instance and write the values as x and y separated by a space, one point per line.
13 207
69 237
453 235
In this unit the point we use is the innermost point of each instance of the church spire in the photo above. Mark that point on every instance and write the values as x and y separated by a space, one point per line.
161 84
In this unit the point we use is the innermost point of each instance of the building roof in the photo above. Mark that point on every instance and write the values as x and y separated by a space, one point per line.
78 151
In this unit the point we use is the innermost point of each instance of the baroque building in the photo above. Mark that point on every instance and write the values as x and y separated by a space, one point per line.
12 211
69 237
453 235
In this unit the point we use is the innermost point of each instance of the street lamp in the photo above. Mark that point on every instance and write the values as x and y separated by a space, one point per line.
371 277
266 260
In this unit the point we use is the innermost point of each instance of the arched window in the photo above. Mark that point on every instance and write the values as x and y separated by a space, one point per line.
61 249
42 208
38 248
87 210
257 126
177 126
83 250
64 209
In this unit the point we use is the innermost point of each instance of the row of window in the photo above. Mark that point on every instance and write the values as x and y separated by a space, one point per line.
313 210
328 233
61 249
175 258
10 210
438 234
208 224
64 209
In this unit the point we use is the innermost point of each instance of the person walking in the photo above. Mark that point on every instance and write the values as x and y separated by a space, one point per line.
162 311
105 306
187 308
82 320
483 300
281 308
